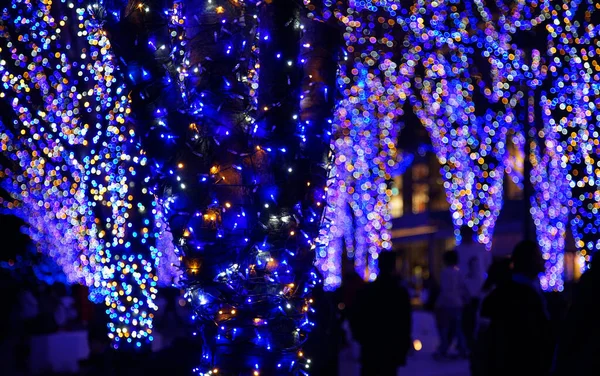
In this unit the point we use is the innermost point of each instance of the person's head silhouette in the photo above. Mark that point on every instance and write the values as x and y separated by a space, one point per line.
527 259
498 273
387 263
450 258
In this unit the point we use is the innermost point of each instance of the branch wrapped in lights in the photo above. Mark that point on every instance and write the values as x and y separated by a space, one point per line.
570 107
524 22
526 69
240 176
66 127
549 210
366 127
468 126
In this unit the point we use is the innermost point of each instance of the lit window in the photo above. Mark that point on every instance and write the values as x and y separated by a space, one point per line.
420 191
420 198
515 167
397 202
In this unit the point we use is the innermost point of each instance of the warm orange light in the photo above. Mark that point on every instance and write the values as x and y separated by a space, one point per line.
417 345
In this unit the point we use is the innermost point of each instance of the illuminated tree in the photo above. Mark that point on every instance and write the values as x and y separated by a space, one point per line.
240 171
73 160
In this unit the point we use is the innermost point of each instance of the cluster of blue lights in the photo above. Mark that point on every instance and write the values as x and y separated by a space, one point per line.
240 182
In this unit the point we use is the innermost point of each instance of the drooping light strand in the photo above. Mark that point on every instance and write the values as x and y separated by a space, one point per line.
549 200
524 69
468 138
570 107
366 130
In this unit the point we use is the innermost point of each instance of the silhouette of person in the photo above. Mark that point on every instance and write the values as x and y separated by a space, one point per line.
474 284
519 340
383 321
449 306
432 291
498 274
351 284
473 254
575 354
